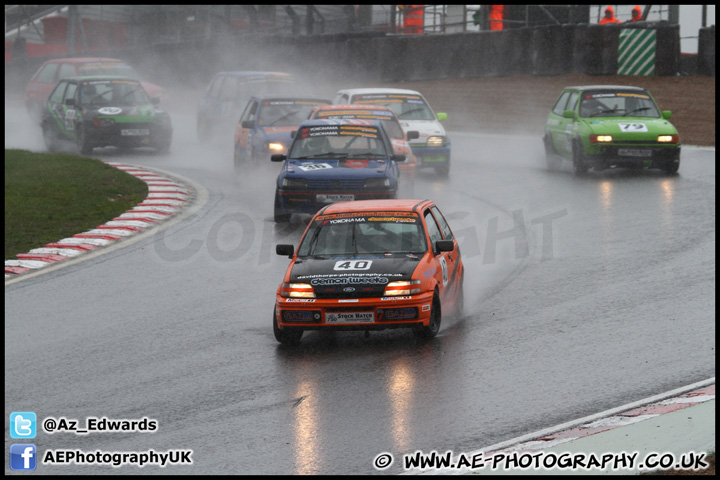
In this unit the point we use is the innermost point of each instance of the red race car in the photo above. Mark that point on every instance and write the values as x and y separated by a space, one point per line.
370 265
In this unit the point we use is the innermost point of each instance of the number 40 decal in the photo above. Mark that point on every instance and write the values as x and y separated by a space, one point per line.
353 265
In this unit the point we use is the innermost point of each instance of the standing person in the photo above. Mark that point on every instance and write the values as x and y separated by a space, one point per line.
496 17
636 14
609 16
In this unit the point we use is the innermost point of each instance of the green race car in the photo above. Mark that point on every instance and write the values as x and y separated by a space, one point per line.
607 126
101 111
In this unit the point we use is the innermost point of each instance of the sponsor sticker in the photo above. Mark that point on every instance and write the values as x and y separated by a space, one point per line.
350 317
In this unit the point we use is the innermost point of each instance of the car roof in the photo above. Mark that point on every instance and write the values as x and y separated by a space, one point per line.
83 78
285 98
315 122
354 106
253 73
400 204
363 91
606 87
85 60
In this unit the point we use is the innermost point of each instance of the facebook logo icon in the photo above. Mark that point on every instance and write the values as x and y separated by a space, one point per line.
23 456
23 424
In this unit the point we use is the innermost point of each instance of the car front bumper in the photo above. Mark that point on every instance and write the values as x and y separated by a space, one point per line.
377 313
638 156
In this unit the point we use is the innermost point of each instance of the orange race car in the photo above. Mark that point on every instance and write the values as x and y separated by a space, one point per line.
370 265
400 138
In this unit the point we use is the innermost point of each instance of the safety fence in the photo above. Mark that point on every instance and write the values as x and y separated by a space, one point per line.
376 57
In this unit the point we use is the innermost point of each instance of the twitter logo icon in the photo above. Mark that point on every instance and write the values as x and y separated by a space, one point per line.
23 424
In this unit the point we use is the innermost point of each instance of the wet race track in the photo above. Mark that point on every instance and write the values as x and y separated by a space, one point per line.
582 294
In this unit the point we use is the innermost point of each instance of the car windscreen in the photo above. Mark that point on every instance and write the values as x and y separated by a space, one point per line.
405 106
617 104
392 127
284 113
112 92
367 233
338 141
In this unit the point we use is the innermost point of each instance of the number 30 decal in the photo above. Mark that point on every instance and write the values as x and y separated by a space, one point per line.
353 265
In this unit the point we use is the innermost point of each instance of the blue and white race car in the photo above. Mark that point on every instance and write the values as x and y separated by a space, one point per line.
432 147
332 161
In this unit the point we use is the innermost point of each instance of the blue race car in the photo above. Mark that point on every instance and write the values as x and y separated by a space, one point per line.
333 161
266 126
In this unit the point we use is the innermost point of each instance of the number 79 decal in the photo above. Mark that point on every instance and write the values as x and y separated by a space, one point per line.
633 127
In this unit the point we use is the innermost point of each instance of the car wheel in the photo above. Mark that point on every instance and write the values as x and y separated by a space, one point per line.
50 138
280 215
237 159
34 111
203 129
163 146
83 144
579 166
286 336
553 161
672 167
433 327
443 171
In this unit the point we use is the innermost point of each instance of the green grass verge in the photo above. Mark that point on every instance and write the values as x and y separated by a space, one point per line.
53 196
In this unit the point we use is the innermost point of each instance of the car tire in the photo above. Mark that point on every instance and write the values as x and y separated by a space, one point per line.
83 144
431 331
286 336
672 168
552 159
279 214
443 171
163 146
579 166
203 130
237 159
50 137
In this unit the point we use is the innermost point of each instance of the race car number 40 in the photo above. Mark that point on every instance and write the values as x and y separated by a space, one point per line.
350 317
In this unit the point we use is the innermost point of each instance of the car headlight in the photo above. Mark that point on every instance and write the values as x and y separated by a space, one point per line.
436 141
402 287
294 182
601 138
275 147
377 183
668 139
297 290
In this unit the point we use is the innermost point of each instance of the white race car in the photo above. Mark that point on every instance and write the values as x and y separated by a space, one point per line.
432 148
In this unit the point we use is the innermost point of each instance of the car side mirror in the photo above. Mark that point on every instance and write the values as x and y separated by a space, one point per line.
441 117
278 157
569 114
666 114
70 102
400 158
413 134
155 101
445 245
247 124
293 133
285 250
